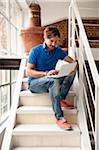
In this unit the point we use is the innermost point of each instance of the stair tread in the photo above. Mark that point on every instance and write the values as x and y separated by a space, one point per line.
28 93
47 148
44 128
41 109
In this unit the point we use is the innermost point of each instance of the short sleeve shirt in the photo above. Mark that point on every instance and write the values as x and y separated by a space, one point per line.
44 60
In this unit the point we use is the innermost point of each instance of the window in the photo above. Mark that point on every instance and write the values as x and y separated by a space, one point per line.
5 96
10 22
3 35
4 4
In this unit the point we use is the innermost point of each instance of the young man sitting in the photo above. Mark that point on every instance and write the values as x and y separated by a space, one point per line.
41 62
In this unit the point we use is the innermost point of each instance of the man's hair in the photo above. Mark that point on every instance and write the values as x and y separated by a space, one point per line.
51 31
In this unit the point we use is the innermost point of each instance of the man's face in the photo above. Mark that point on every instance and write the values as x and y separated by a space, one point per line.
51 43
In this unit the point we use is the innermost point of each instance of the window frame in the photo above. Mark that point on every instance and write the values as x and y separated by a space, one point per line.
8 52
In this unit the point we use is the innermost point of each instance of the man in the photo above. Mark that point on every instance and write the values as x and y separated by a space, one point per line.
41 62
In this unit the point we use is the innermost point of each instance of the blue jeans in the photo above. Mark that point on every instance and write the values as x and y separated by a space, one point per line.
57 88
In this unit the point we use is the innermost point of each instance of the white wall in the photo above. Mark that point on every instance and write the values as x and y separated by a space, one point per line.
89 9
55 11
25 17
95 52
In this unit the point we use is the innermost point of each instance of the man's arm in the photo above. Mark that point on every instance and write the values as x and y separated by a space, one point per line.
30 71
69 59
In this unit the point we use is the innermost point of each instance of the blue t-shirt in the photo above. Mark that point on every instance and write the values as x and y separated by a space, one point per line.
44 60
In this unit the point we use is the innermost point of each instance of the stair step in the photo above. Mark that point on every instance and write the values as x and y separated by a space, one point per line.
45 135
33 99
47 148
42 114
42 99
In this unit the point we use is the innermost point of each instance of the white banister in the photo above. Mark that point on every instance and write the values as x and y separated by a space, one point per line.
84 55
11 121
97 116
69 27
85 42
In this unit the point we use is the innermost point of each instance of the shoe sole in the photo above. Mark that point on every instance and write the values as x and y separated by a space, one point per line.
68 108
67 129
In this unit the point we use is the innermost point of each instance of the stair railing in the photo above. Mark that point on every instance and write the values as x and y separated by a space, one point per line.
88 104
6 145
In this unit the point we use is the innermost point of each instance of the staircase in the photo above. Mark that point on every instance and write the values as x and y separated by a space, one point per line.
35 127
32 124
92 31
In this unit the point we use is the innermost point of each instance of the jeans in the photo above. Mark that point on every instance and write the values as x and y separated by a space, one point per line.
57 88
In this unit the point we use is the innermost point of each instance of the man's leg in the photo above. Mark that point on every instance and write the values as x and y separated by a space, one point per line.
54 92
66 85
59 91
40 85
52 86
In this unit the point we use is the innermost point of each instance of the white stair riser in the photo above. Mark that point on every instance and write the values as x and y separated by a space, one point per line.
42 100
37 118
35 101
50 140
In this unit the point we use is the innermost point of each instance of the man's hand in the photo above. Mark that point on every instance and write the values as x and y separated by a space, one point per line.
74 71
52 72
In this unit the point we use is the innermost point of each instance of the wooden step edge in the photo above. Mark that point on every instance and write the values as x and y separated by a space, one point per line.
28 93
30 129
41 109
47 148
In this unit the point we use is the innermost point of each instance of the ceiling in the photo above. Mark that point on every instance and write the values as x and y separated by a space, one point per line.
50 9
41 1
24 3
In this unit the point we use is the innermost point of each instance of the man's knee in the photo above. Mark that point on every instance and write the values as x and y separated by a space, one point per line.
69 79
